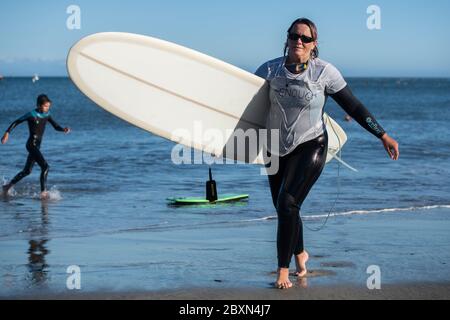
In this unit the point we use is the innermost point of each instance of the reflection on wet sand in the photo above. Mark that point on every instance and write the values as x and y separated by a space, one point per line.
37 251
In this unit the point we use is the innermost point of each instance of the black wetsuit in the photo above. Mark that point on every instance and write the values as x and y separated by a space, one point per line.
299 170
36 124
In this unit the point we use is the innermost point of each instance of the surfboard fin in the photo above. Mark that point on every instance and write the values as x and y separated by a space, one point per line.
211 188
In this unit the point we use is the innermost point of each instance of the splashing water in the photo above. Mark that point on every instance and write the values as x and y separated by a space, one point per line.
52 195
11 192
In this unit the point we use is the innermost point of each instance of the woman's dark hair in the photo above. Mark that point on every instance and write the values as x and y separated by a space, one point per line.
41 99
312 27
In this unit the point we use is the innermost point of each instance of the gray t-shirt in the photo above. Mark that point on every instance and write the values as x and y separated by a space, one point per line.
297 100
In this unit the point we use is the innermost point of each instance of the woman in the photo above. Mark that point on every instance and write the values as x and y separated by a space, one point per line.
37 119
300 82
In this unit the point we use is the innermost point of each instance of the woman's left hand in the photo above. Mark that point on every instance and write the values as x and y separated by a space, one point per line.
66 130
391 146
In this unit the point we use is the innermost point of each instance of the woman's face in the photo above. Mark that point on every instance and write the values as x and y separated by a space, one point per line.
297 48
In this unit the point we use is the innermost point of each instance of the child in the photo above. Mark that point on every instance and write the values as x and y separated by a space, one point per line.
37 119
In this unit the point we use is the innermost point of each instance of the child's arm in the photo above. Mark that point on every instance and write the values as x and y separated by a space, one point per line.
57 126
17 122
13 125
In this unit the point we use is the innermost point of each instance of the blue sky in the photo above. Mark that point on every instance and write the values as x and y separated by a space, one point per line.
413 39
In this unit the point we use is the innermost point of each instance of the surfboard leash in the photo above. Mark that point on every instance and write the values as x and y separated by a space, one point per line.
338 183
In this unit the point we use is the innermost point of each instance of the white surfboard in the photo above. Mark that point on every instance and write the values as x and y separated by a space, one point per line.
177 93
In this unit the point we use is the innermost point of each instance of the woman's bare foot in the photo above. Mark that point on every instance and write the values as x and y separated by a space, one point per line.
283 279
300 261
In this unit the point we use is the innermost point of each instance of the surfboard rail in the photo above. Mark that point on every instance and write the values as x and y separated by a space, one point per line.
169 90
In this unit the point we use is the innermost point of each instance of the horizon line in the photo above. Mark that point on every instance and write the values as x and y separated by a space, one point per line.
4 77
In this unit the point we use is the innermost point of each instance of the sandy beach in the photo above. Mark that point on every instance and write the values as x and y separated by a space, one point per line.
421 291
226 269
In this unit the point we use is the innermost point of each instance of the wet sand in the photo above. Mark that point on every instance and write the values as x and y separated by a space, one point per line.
425 291
411 249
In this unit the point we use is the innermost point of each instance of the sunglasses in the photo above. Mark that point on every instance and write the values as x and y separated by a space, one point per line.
295 37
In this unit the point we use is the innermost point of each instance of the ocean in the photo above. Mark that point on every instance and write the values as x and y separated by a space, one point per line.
109 181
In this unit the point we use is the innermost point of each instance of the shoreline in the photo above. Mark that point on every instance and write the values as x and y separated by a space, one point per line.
240 262
401 291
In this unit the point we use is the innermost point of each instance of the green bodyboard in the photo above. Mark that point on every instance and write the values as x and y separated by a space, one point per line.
202 200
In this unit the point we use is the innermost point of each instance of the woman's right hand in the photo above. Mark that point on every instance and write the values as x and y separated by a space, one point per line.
391 146
5 138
